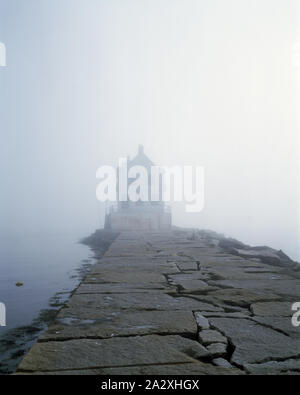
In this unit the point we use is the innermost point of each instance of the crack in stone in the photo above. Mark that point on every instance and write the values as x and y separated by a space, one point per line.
269 326
190 336
193 360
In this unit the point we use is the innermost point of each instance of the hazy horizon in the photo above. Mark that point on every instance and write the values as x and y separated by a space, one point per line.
208 83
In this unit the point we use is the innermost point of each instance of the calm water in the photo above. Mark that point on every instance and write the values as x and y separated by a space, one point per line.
45 264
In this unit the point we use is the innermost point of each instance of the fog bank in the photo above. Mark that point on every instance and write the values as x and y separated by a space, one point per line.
209 83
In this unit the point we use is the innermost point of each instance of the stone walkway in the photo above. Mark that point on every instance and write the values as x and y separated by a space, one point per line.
174 302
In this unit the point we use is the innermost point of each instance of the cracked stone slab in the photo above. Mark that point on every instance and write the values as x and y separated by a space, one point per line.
279 309
210 336
130 277
123 324
89 354
193 286
150 264
239 297
217 349
181 259
199 254
281 324
222 314
262 252
283 288
191 276
222 362
196 368
238 272
214 260
188 266
128 248
96 288
264 269
91 306
274 367
191 282
255 343
202 322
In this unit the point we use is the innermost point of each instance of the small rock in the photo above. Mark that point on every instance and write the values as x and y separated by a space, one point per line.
202 322
222 362
217 349
210 336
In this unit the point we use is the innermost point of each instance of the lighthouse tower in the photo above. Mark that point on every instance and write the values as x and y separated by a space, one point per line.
140 215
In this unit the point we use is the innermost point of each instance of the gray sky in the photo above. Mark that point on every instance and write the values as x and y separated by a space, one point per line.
209 83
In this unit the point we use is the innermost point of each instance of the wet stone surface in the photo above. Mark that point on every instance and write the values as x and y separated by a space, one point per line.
176 302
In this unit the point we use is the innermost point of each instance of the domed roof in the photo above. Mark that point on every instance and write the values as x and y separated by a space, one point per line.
141 159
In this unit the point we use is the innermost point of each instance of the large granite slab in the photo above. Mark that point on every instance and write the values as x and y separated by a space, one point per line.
114 324
115 352
176 302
